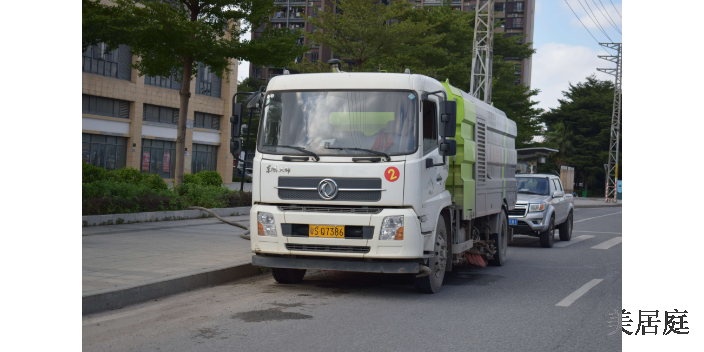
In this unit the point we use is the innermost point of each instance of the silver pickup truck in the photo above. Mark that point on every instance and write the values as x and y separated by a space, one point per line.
542 206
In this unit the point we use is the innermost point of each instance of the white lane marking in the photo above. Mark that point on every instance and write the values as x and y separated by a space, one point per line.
611 233
101 319
574 240
596 217
579 293
608 244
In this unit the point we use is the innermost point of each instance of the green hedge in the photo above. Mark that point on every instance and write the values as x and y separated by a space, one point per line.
130 191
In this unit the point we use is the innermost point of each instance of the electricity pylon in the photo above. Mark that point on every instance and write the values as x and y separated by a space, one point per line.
612 166
483 52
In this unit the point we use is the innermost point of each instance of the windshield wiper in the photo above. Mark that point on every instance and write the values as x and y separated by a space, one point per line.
388 158
531 192
300 149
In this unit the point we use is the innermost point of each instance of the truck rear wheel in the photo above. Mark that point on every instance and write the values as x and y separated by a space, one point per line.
500 241
566 229
288 276
547 238
433 282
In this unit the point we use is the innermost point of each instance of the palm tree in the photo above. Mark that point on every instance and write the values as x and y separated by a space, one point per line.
560 137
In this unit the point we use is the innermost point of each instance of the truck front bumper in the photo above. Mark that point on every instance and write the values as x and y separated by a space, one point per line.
340 264
410 247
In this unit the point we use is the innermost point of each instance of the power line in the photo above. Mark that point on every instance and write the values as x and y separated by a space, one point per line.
609 19
590 17
580 21
612 4
597 20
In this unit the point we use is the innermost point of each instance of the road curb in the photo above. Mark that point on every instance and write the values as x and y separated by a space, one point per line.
618 205
115 298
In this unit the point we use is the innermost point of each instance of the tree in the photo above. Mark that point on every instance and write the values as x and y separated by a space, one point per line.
560 137
174 37
361 30
587 109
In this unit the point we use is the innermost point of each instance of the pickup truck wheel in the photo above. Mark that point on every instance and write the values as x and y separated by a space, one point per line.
566 229
500 241
433 282
288 276
547 238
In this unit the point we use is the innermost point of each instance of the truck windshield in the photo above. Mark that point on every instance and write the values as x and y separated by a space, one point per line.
533 185
382 121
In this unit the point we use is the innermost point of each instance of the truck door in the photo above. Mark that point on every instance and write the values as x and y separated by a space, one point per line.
433 178
559 202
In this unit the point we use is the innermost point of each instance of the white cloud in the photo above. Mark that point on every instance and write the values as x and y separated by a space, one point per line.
557 65
606 16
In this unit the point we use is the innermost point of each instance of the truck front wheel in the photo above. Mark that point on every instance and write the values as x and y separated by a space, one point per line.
433 282
288 276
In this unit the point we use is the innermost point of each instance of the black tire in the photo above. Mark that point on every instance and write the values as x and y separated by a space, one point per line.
432 283
547 238
566 229
500 241
288 276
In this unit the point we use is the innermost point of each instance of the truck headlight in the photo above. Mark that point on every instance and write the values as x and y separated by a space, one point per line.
266 225
537 207
392 228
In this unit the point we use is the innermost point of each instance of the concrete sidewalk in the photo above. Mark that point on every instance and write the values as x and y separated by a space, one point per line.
580 202
129 263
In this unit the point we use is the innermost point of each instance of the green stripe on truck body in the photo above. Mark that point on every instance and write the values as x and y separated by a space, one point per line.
462 170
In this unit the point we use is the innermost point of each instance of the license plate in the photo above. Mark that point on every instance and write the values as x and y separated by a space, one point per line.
513 221
326 231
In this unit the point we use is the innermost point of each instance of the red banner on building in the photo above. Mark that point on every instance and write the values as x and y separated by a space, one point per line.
145 161
167 161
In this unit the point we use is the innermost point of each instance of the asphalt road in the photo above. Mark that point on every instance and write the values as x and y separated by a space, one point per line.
542 300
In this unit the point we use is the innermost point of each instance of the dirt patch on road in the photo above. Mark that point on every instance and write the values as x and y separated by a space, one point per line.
271 314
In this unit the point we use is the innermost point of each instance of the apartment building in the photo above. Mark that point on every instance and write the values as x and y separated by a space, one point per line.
130 120
516 18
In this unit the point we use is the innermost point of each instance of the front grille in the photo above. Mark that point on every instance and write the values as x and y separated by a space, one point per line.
322 248
314 209
342 196
517 212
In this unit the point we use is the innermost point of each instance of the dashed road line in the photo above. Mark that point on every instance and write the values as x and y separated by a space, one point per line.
573 241
596 217
579 293
608 244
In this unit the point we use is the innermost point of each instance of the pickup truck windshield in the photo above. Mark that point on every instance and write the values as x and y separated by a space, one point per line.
533 185
382 121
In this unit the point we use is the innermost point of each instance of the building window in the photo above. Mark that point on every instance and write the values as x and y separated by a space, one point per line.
313 57
204 120
205 81
204 158
99 62
161 114
499 7
163 82
105 151
158 157
105 106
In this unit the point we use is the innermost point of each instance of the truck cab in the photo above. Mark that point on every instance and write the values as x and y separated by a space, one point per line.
351 173
542 207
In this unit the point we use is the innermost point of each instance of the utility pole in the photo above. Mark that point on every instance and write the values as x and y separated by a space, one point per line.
483 51
612 166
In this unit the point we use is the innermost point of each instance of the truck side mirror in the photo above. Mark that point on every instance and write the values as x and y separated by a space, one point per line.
236 120
448 118
253 100
235 147
448 147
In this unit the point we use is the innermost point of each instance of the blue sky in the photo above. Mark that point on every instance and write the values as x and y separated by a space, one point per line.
565 50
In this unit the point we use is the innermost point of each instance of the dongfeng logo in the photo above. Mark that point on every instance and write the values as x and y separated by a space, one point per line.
327 189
